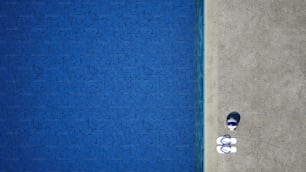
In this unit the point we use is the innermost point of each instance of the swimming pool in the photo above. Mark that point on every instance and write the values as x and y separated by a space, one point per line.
101 86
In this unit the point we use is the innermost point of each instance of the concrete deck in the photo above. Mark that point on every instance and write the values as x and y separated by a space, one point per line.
255 55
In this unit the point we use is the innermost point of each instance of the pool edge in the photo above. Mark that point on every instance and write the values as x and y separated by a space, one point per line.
199 86
210 86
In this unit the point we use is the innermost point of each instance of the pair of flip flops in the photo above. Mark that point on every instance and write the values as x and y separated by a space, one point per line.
226 142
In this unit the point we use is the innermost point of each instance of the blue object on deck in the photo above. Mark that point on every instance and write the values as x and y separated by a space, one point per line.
232 120
98 86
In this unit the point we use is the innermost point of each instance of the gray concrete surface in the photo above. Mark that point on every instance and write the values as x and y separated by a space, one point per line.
258 68
211 86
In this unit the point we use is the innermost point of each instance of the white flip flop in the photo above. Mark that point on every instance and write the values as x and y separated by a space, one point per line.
226 140
226 149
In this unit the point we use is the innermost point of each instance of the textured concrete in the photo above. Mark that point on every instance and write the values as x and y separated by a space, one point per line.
211 87
261 73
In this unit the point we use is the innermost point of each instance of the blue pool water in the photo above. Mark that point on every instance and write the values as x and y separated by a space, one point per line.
98 86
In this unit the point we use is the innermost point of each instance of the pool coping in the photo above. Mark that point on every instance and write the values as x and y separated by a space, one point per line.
210 86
